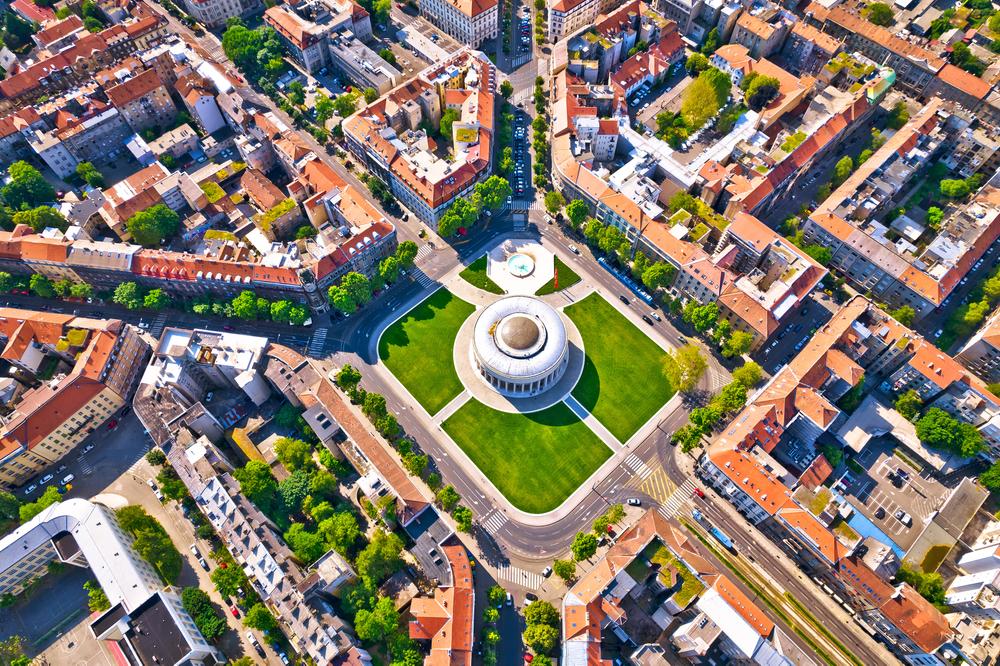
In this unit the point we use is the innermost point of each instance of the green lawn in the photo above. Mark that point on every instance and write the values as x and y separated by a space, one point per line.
567 278
475 275
536 460
418 349
622 383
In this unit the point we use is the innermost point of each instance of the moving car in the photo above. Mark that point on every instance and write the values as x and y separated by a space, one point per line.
112 424
572 248
510 599
634 502
87 448
655 316
547 571
623 299
647 320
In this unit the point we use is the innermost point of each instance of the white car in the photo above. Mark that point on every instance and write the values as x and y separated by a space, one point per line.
547 571
68 479
46 478
30 489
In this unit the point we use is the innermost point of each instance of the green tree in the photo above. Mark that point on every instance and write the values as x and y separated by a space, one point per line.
294 454
307 546
321 484
28 511
127 294
929 586
42 286
294 489
733 396
6 282
712 42
463 517
341 531
899 116
345 105
494 192
348 377
338 298
92 176
381 557
27 187
760 91
843 169
747 374
880 13
257 482
259 618
577 211
150 226
245 305
324 108
448 497
833 454
242 45
82 290
541 637
554 202
406 253
904 315
657 275
357 287
705 317
541 612
377 623
699 101
62 287
228 580
42 218
199 606
565 569
374 406
370 95
909 404
696 63
8 505
990 479
821 254
954 189
584 546
97 599
738 344
156 300
496 595
684 368
448 118
940 431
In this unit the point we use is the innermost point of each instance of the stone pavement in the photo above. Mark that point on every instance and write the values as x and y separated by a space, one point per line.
593 424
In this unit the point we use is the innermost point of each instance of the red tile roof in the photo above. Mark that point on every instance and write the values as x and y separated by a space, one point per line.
33 11
964 81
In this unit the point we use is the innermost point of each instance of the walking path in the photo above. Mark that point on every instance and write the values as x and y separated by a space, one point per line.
593 423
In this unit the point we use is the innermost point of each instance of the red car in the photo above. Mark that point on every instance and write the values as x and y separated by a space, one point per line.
699 493
399 6
349 88
112 424
528 657
228 328
236 613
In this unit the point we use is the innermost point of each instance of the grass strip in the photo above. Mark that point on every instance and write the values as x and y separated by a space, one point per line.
567 278
915 466
476 275
823 630
780 613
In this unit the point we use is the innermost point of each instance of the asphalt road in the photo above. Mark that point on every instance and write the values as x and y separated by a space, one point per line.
818 308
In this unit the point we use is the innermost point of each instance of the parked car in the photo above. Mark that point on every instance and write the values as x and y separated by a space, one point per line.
112 424
255 644
46 479
30 489
510 599
880 512
68 479
547 571
87 448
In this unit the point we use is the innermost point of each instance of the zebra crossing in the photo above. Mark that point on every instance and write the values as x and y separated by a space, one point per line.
142 455
421 277
424 251
521 59
718 379
677 498
526 204
494 521
317 343
84 467
526 579
641 469
156 328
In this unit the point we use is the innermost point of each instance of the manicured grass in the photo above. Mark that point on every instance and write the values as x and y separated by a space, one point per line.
475 275
567 278
622 383
536 460
418 349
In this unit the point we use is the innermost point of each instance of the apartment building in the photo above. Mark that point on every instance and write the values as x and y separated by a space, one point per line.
198 95
213 13
15 131
446 620
894 272
304 40
568 16
59 34
388 140
957 85
915 67
95 367
808 49
83 534
760 37
143 101
471 22
362 65
734 60
981 353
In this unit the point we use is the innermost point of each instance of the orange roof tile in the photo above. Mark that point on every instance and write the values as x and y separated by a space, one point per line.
964 81
134 88
742 605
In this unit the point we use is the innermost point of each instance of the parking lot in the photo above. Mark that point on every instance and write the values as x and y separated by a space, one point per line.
816 310
645 108
521 179
882 491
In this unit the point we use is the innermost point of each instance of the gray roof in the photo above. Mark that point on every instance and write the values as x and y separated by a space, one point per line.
520 336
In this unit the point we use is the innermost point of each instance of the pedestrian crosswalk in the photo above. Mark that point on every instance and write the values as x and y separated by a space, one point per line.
424 251
138 462
641 469
494 521
421 277
317 342
84 467
677 498
526 204
521 59
718 379
525 579
656 484
156 328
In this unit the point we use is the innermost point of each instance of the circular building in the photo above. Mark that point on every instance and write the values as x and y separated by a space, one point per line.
520 346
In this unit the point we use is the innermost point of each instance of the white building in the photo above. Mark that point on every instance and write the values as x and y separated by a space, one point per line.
471 22
568 16
213 13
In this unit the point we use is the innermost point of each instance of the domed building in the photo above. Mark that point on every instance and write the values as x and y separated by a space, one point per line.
520 346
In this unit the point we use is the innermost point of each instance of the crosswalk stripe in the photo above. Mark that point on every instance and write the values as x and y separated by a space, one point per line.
527 579
424 251
84 467
494 522
317 343
156 328
638 466
138 462
657 485
677 498
421 277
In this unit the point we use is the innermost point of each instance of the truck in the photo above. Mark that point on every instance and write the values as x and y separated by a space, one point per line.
721 536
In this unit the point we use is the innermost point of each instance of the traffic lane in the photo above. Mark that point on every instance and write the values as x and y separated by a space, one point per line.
510 649
801 330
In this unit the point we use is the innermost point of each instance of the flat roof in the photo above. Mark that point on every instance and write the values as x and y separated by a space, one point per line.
154 635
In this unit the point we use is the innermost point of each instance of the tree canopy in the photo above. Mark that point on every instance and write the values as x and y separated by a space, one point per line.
685 367
939 430
898 117
881 14
150 226
28 188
